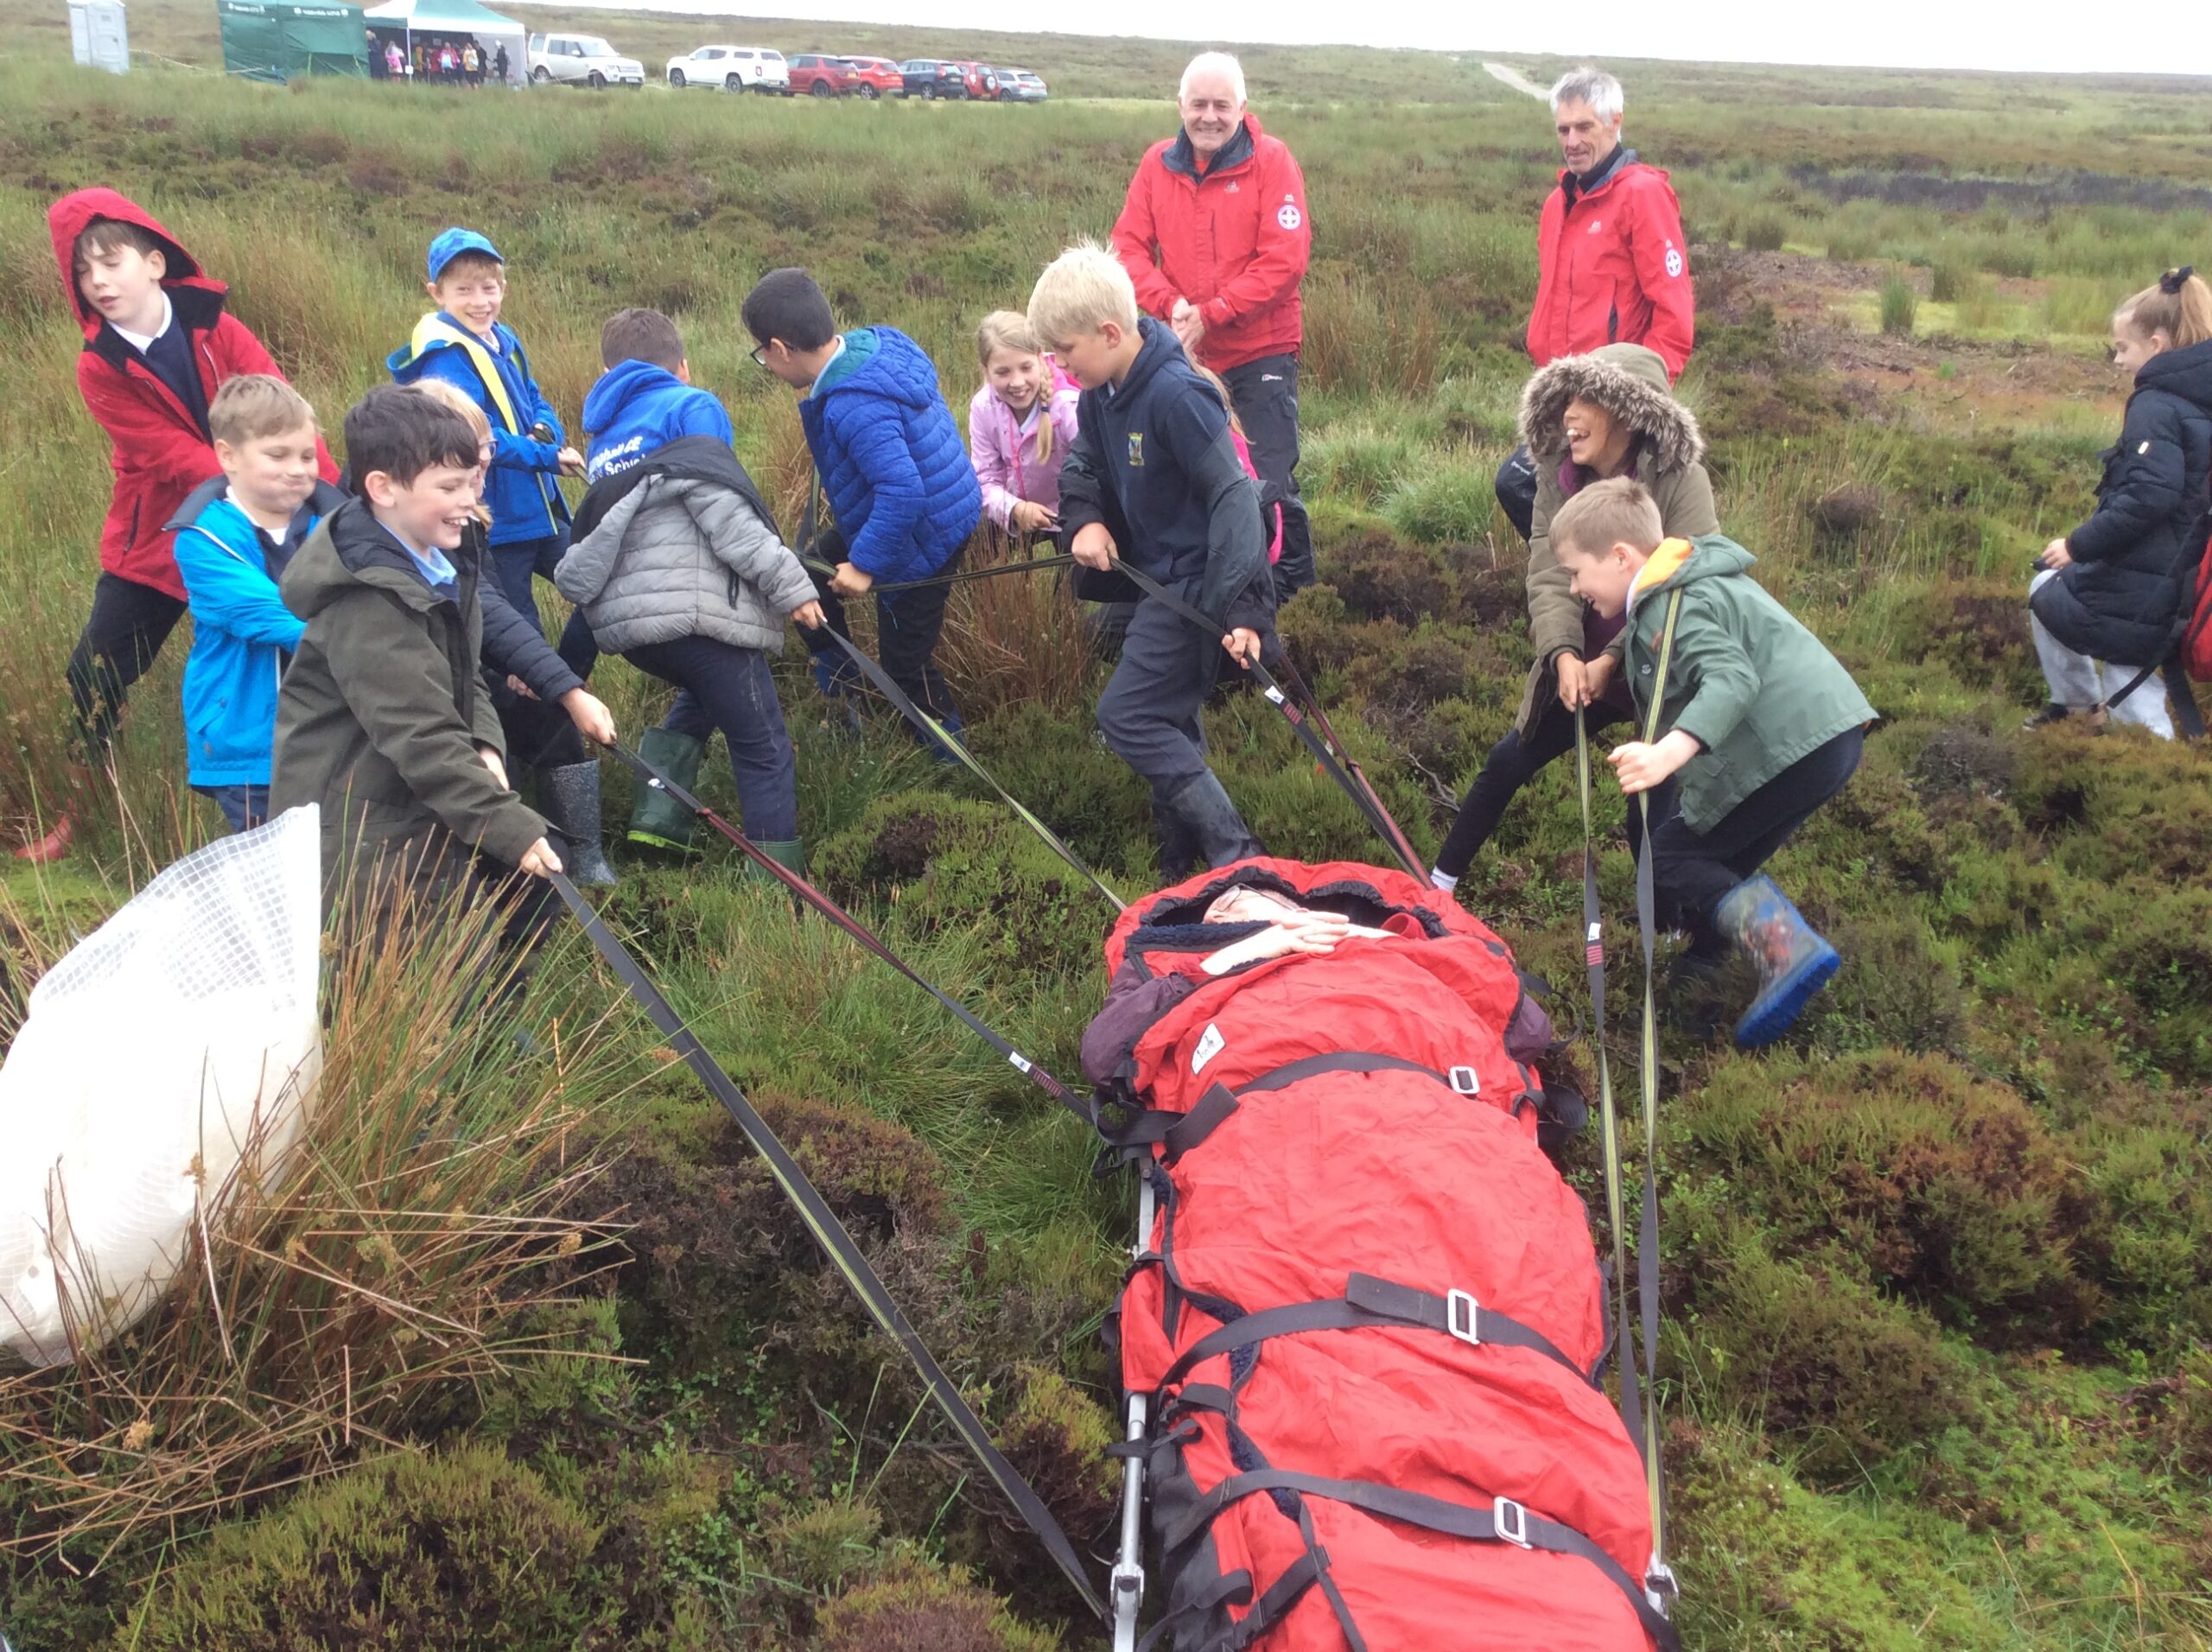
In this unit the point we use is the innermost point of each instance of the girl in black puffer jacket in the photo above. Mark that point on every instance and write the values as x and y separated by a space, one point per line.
2105 606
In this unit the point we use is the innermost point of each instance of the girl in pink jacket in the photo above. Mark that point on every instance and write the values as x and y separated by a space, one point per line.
1020 426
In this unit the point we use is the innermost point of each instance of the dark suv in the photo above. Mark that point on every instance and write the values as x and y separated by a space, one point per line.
822 76
930 77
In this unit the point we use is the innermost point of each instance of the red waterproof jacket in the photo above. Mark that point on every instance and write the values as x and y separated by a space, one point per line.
1368 1312
1613 267
161 453
1232 240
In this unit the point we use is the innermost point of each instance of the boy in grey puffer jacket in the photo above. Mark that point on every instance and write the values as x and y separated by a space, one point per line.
678 565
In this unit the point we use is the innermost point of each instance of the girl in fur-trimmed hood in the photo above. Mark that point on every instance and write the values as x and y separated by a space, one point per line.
1585 418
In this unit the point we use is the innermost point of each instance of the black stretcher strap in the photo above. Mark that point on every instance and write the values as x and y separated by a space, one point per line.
844 920
1372 1301
930 729
1180 1131
1361 795
836 1243
1505 1522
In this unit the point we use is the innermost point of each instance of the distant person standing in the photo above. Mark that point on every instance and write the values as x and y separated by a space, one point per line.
499 63
395 62
471 65
1612 264
1216 236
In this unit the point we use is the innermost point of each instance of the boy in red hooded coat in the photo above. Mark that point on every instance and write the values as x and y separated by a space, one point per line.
158 344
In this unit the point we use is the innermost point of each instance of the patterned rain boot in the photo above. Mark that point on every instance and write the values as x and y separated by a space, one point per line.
1793 960
569 797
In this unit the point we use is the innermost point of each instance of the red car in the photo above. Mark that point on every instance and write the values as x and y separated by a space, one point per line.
878 75
820 76
982 78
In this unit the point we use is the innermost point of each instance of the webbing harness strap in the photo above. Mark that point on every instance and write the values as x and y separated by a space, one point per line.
990 571
836 1243
931 729
1369 1302
1503 1522
1647 1237
1180 1131
844 920
1361 795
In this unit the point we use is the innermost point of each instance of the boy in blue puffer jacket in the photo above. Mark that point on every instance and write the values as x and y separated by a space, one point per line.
234 536
464 342
902 494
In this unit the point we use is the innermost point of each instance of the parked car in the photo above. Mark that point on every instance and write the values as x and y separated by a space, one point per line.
931 77
1019 85
731 68
822 76
981 80
878 75
582 60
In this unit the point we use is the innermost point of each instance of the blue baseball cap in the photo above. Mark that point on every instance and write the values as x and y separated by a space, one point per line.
451 244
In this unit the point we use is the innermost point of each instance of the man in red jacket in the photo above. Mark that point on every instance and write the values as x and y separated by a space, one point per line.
158 344
1215 235
1612 266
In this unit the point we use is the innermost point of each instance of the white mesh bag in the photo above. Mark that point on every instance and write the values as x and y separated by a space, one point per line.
172 1045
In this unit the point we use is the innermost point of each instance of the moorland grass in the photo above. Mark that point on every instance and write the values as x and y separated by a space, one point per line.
1936 1273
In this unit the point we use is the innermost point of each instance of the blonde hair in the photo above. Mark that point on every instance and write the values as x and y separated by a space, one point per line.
2178 304
255 406
452 396
1010 330
1221 388
1618 510
1080 291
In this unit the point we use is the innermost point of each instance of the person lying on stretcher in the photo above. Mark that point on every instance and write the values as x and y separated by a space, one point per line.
1290 928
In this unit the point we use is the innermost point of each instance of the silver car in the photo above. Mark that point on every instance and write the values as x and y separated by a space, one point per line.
731 68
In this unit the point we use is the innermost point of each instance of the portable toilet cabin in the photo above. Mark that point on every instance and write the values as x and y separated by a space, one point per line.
100 35
281 39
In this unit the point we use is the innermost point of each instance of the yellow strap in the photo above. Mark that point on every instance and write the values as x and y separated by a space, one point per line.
434 329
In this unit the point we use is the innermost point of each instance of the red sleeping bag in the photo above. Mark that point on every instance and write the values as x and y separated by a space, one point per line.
1368 1310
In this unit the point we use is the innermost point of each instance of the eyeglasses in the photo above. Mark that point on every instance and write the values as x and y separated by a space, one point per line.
759 354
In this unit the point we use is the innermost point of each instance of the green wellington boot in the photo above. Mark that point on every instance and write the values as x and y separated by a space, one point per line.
658 819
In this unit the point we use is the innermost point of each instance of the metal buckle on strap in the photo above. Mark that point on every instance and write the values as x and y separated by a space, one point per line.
1659 1584
1463 1316
1511 1521
1466 1081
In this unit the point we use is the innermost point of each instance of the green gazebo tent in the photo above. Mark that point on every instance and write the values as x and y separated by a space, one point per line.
276 40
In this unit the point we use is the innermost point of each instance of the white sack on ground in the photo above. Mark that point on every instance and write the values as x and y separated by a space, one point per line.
174 1041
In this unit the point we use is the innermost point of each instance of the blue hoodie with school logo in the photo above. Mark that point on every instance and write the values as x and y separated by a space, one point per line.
636 407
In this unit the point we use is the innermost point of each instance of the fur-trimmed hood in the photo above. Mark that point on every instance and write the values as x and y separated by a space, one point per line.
1630 382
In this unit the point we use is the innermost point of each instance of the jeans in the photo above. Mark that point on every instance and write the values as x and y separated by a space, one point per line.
516 564
1513 762
1691 871
907 625
1150 711
735 688
244 806
2081 683
126 629
1266 397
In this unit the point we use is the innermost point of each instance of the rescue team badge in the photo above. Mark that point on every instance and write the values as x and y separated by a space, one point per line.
1136 448
1289 216
1674 260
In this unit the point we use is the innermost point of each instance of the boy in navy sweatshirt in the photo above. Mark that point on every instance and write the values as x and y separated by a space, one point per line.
1154 477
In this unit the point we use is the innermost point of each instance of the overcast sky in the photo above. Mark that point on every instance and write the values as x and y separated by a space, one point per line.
1921 33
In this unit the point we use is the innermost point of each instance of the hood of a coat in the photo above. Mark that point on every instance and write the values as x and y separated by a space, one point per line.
1630 382
2186 373
623 386
1181 157
350 549
1684 561
1159 347
71 215
882 361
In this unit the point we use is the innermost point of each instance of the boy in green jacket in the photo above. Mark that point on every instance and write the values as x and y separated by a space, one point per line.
383 719
1759 719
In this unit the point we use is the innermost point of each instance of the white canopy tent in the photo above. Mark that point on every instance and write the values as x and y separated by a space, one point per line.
453 18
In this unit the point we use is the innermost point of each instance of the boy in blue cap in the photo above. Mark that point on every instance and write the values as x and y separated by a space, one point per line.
464 342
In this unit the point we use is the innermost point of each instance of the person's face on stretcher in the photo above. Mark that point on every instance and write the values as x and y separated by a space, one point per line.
1290 928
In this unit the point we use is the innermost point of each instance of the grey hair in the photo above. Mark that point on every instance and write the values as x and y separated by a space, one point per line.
1587 86
1213 63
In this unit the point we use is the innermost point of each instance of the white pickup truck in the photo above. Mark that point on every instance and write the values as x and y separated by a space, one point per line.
583 60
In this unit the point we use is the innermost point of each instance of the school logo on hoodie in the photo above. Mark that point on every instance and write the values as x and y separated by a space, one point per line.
1136 449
